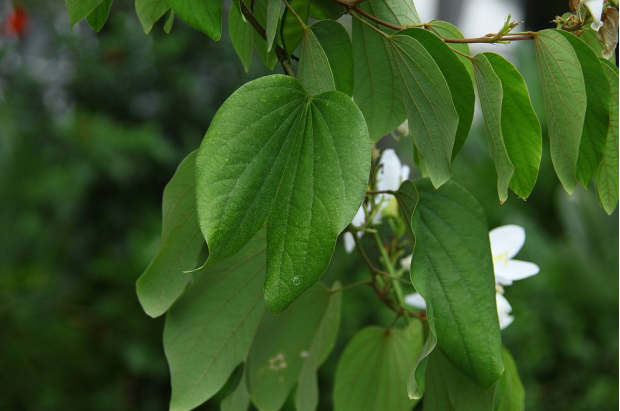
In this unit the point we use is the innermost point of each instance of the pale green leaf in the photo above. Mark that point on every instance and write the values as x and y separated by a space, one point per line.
272 18
205 16
292 31
169 21
274 155
416 383
509 393
149 11
79 9
97 18
314 71
164 279
448 30
398 12
336 44
240 35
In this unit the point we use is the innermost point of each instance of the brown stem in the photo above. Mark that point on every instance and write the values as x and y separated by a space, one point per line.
486 39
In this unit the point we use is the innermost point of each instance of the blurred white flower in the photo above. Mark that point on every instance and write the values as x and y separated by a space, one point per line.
391 174
596 10
403 129
506 241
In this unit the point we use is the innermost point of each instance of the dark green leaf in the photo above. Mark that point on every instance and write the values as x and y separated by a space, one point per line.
509 393
407 198
79 9
445 29
273 16
433 120
181 241
336 44
314 71
205 16
597 112
99 16
453 270
292 30
149 11
273 155
564 95
259 11
325 10
240 35
239 399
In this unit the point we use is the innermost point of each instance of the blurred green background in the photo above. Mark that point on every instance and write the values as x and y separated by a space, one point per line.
92 126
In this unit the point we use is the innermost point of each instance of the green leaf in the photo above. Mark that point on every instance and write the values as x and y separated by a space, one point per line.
274 155
169 21
181 241
209 330
433 120
288 350
336 44
372 371
273 16
509 393
597 112
149 11
447 389
292 31
397 12
452 269
416 383
606 176
79 9
99 16
259 12
240 35
314 71
445 29
205 16
407 198
564 95
239 399
325 10
458 79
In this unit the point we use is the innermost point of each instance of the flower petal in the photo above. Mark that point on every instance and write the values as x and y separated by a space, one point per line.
388 177
503 311
349 242
506 241
360 217
415 300
596 9
513 270
406 262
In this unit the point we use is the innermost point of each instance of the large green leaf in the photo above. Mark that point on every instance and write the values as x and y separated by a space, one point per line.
205 16
288 350
300 164
433 120
97 18
149 11
79 9
453 270
447 389
606 176
336 44
292 31
181 241
458 79
209 330
314 71
597 112
564 95
509 392
372 371
273 16
448 30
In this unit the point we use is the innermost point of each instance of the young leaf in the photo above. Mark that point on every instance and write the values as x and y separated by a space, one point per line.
292 30
209 330
606 176
273 16
97 18
149 11
79 9
259 12
416 383
205 16
288 350
453 270
597 112
407 198
447 389
169 21
314 71
181 241
564 95
448 30
274 155
458 79
336 44
433 120
372 371
509 393
240 35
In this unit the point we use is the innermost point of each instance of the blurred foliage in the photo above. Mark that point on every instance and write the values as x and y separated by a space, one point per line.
91 129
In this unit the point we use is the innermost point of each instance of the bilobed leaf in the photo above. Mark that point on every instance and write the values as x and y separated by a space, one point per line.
448 30
149 11
433 120
288 350
372 371
292 30
205 16
336 44
169 21
273 16
325 10
564 95
314 71
181 241
97 18
453 270
596 121
447 389
606 176
458 79
79 9
240 35
300 164
509 393
209 330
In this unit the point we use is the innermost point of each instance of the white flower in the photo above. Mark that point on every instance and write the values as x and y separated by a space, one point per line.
506 241
403 129
596 10
391 174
